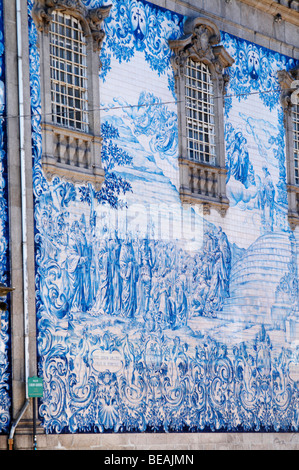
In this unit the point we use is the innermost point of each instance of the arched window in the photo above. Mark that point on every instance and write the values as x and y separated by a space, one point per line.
199 63
70 40
68 71
200 119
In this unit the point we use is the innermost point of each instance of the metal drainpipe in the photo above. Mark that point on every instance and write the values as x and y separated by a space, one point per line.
24 218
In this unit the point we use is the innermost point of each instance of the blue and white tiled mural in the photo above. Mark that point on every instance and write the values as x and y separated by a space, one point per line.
151 316
5 371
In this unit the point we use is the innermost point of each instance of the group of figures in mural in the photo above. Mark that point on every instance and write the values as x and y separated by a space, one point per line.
156 281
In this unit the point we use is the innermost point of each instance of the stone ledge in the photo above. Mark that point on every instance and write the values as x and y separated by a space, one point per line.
160 442
288 9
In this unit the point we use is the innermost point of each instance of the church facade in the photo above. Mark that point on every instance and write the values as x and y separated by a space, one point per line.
149 223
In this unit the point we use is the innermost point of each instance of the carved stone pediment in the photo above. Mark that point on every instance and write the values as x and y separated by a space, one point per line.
286 78
91 19
200 43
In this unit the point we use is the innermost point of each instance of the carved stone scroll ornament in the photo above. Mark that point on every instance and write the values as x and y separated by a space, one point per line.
200 43
91 19
285 80
95 18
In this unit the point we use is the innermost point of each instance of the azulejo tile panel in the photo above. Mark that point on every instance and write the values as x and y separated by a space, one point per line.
151 316
5 366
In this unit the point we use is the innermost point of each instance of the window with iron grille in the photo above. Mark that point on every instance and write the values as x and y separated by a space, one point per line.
68 70
70 38
200 122
200 62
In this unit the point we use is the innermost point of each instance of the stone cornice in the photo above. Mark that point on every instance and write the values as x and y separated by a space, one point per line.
241 25
288 13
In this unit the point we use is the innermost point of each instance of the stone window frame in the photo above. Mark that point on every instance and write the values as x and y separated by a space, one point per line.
69 74
199 105
286 79
202 183
69 153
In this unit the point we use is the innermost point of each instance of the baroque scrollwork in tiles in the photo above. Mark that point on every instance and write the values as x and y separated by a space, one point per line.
131 27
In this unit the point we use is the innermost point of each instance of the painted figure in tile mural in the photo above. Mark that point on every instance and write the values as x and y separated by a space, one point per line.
181 293
239 165
267 198
218 279
103 301
114 246
145 277
128 276
78 265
